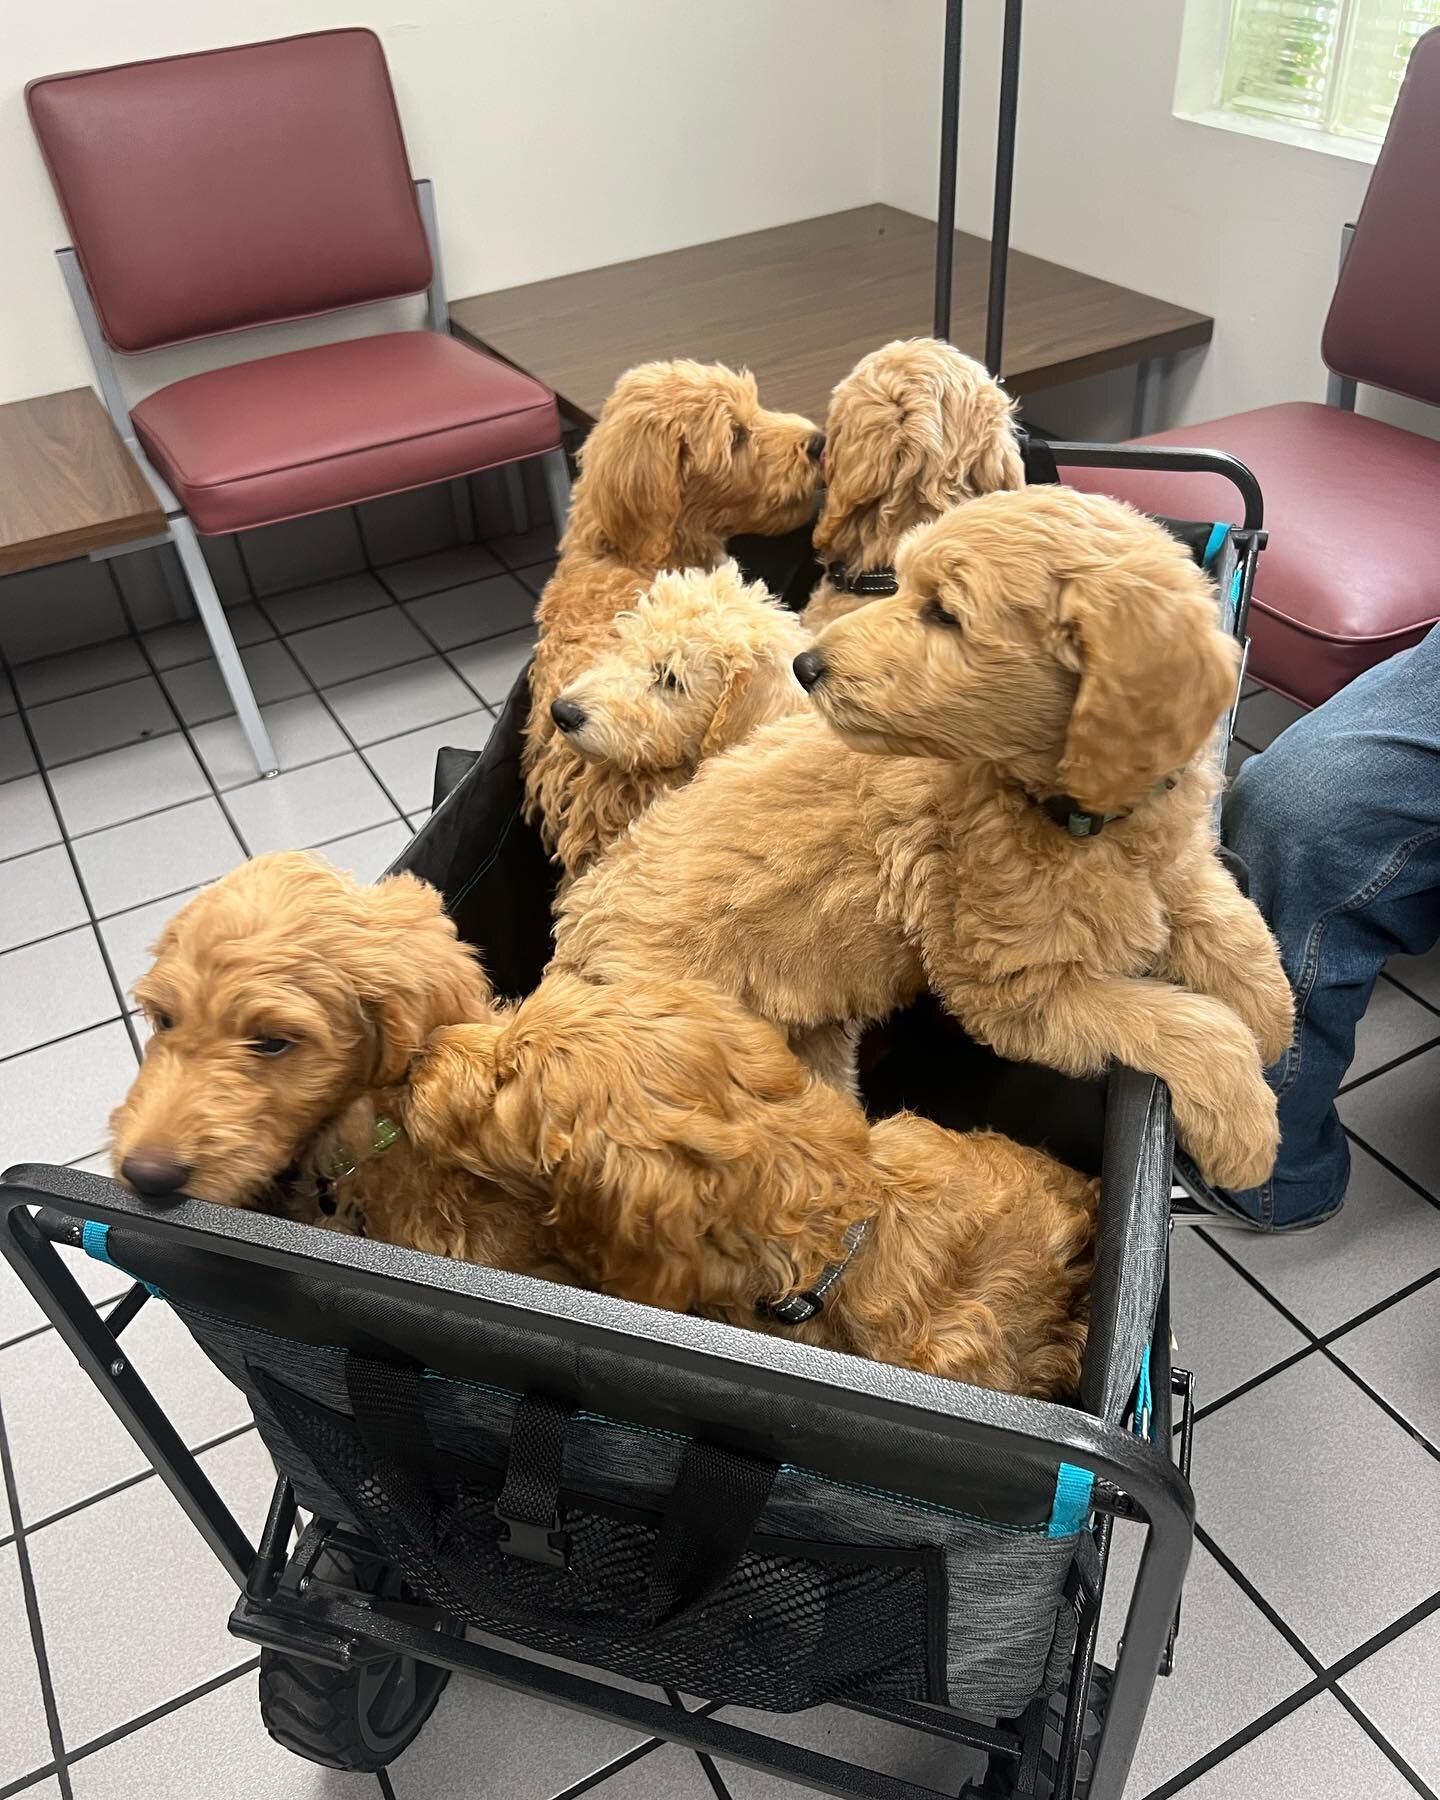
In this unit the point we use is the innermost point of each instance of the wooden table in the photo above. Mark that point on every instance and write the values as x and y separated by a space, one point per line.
799 304
67 482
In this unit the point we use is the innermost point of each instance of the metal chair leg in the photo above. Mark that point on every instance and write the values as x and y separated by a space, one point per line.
463 508
556 467
222 642
515 495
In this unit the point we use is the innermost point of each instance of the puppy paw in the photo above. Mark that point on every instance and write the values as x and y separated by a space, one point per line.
1234 1143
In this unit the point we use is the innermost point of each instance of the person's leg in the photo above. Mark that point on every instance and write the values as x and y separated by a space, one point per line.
1339 825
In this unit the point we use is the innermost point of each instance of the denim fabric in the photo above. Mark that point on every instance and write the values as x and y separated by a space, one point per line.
1339 823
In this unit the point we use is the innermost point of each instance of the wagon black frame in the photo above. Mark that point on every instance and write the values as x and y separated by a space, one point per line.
1135 1478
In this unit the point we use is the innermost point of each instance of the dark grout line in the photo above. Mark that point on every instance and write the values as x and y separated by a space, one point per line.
1380 1306
65 1036
28 1781
156 1713
1383 1744
319 692
32 1614
1323 1343
1223 1751
1352 1659
1255 1282
1394 1168
1286 1362
182 725
1391 1412
1395 1062
624 1761
1253 1594
444 655
78 873
1410 992
130 1481
712 1775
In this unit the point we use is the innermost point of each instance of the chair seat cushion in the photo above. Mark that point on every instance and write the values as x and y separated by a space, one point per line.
1352 570
311 429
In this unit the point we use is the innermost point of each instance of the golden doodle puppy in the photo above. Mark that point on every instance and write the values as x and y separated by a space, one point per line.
682 457
286 1002
693 667
915 428
688 1160
1006 799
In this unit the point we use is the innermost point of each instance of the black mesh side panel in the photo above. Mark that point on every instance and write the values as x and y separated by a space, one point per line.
793 1626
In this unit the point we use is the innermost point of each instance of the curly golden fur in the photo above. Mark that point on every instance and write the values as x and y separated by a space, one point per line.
351 980
1042 643
695 666
915 428
688 1160
682 457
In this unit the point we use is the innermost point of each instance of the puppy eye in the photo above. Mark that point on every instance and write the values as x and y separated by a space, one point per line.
271 1046
162 1021
739 437
667 679
933 613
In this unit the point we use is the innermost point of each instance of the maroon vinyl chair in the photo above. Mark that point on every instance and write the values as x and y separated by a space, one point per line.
1352 573
209 193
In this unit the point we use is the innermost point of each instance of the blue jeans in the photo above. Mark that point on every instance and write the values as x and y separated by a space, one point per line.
1339 822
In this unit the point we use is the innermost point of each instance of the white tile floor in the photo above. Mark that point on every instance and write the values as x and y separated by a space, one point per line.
1309 1661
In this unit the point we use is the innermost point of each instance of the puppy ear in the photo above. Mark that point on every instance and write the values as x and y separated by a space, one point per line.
1156 672
415 974
758 692
630 470
992 464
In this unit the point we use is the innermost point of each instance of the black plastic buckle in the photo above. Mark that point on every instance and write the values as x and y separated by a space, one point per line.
546 1544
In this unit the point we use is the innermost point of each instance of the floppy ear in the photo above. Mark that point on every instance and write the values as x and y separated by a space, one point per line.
413 974
998 466
630 469
757 692
1156 672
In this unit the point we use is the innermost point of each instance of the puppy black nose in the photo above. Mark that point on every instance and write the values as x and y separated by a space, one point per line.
154 1173
816 446
809 666
569 715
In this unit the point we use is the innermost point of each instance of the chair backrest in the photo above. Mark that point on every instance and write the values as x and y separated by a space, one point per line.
235 187
1382 325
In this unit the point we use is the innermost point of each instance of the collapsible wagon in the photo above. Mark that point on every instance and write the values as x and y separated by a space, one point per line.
551 1489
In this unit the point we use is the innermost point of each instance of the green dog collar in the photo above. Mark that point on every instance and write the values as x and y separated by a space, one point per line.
383 1134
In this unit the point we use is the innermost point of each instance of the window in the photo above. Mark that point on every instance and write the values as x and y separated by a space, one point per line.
1322 65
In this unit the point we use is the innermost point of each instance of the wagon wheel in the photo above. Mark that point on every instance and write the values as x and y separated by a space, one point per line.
359 1718
999 1782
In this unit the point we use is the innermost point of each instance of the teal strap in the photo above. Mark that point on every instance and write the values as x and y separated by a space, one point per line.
1143 1402
1218 535
1071 1506
95 1241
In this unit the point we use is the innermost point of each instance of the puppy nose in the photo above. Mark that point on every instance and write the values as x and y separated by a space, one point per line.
569 715
809 666
154 1173
816 446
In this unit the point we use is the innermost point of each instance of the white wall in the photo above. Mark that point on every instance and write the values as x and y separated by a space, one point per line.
1108 181
560 133
566 133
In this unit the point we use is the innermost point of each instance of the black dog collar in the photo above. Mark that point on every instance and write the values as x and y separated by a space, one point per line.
1068 813
869 583
1071 816
798 1308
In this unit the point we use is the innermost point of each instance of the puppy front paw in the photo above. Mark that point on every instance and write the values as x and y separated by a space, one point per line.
1234 1138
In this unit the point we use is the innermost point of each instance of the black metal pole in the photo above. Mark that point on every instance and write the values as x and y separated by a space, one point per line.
1004 181
949 153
